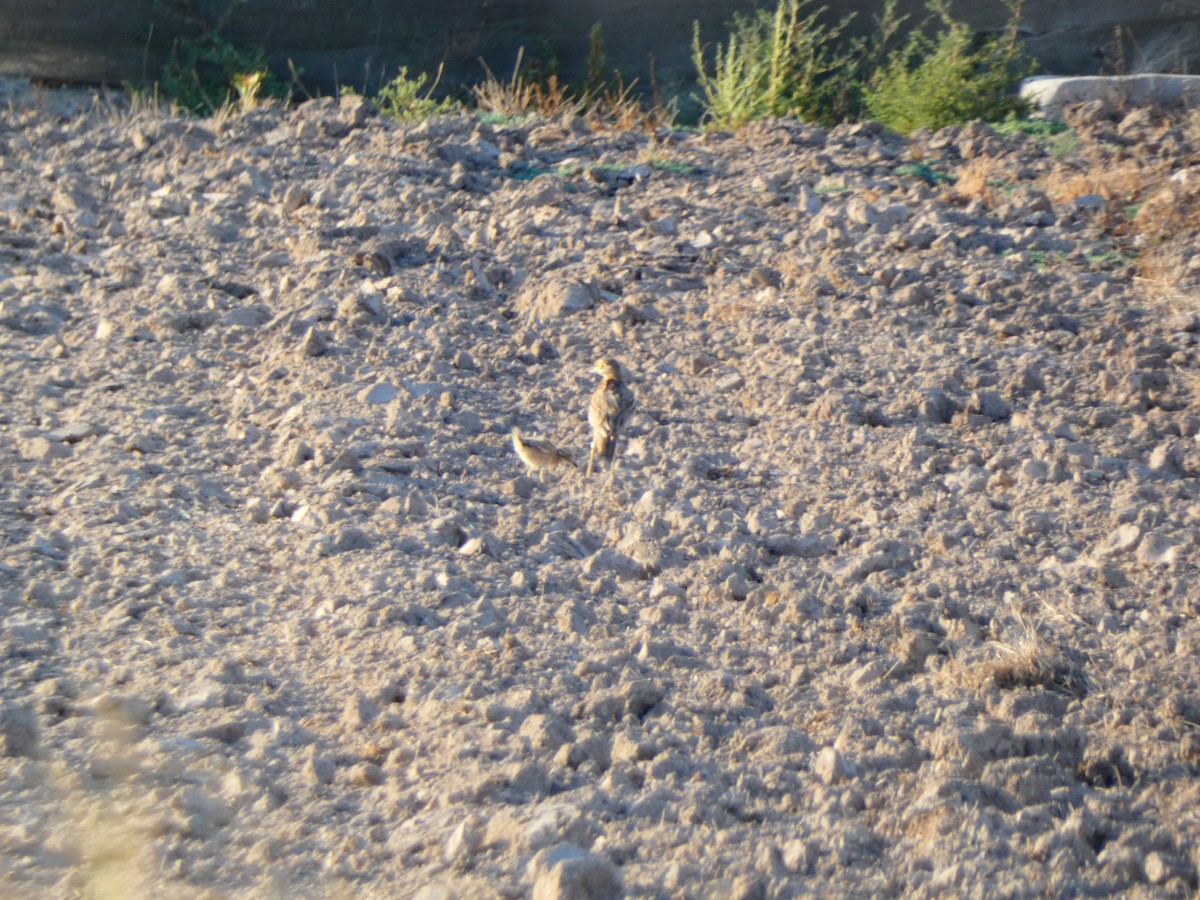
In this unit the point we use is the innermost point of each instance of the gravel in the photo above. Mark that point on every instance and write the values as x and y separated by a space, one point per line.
890 591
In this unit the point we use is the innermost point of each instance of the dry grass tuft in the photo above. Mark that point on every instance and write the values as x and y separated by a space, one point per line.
1161 274
1028 661
1152 208
1031 665
136 106
616 108
1190 125
981 179
620 109
1164 228
1123 182
520 97
1172 211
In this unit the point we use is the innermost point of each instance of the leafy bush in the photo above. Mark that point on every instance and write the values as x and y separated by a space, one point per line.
204 72
407 100
942 80
775 64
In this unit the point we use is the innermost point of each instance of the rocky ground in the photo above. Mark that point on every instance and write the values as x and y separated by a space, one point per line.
891 591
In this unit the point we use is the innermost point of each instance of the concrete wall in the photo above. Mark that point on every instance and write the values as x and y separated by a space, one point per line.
360 42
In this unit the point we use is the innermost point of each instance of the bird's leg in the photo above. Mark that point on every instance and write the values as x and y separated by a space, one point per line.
591 459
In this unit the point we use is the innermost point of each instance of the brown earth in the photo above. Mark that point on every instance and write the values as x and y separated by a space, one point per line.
891 592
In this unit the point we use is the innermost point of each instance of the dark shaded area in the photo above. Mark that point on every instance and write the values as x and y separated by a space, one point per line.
362 43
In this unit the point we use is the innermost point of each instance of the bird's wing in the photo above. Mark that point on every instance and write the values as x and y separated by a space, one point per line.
603 410
541 444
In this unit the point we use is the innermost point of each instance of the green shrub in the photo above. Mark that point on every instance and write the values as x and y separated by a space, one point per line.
407 100
203 73
774 64
942 80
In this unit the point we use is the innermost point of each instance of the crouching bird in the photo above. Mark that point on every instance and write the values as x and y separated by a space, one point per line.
539 454
612 402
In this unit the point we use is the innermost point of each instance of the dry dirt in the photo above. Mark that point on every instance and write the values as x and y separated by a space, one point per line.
891 592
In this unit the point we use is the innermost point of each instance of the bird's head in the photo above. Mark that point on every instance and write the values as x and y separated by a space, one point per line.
608 369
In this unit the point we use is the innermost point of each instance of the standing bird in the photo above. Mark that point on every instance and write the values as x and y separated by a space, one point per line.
611 405
539 454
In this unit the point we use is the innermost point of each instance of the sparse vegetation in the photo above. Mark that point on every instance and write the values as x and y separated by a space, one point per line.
1107 256
143 103
793 63
204 74
621 109
926 173
1042 129
1121 184
792 60
1028 660
596 76
984 178
1031 661
406 99
606 101
774 64
1163 229
522 96
249 87
934 81
1059 138
674 166
206 71
787 61
1145 211
1063 145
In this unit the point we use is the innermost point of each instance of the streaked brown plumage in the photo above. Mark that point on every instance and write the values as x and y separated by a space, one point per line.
539 454
611 405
